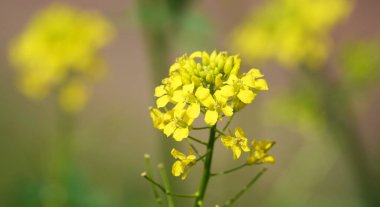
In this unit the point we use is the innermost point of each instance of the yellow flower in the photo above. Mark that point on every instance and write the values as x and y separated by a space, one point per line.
204 83
182 164
237 144
292 32
258 154
61 44
178 124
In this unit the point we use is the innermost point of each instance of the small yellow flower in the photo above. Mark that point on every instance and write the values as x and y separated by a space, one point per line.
182 164
258 154
237 144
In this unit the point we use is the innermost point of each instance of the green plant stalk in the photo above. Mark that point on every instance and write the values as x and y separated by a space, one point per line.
206 168
245 188
149 173
165 179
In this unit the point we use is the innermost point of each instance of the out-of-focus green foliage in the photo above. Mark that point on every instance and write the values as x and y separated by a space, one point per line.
360 64
292 32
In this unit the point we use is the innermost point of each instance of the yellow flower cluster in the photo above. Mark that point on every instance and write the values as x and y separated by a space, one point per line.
202 82
257 152
292 32
208 84
58 51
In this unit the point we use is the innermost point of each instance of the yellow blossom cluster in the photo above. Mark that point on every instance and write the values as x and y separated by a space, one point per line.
58 51
292 32
208 85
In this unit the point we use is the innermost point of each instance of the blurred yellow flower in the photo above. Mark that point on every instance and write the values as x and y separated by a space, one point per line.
258 153
292 32
58 51
182 164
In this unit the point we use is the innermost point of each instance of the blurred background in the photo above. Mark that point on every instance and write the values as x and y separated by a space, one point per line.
79 138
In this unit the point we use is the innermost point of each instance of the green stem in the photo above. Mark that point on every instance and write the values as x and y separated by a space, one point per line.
162 188
197 140
206 168
167 185
230 170
245 188
200 128
149 173
228 123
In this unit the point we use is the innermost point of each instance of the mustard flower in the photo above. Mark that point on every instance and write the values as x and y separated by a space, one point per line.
292 32
237 144
203 82
58 51
182 164
258 153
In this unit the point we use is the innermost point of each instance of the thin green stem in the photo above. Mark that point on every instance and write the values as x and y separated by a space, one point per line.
245 188
201 157
220 133
194 148
149 173
200 128
228 123
165 179
197 140
144 175
230 170
206 168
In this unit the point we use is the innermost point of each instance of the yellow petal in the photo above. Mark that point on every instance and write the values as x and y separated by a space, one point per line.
227 91
159 91
176 81
261 85
255 73
269 159
189 88
236 151
169 128
177 154
248 80
180 134
246 96
178 96
239 132
162 101
174 67
193 110
177 168
228 110
228 141
211 117
202 93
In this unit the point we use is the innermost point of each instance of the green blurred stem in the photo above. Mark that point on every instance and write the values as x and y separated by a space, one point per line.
245 188
144 174
228 123
149 173
200 128
165 179
230 170
341 119
206 168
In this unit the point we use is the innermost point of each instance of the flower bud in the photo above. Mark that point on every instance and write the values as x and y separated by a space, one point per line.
228 65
